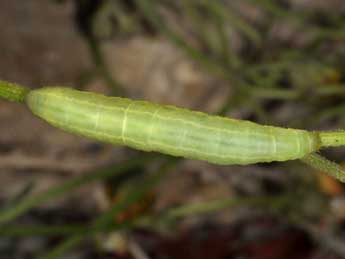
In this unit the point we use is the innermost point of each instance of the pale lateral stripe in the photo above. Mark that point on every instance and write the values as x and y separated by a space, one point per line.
298 142
66 117
124 123
98 113
274 142
182 139
217 147
150 132
310 144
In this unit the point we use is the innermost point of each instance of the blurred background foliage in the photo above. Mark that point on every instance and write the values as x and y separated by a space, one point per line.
278 62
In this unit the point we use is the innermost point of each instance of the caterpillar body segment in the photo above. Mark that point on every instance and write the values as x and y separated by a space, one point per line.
168 129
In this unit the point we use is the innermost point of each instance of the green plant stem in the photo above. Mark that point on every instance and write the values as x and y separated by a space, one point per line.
230 59
211 206
274 93
87 233
332 138
331 89
13 92
102 68
41 230
322 164
330 113
20 230
199 23
148 9
65 246
230 16
275 9
136 193
105 221
32 201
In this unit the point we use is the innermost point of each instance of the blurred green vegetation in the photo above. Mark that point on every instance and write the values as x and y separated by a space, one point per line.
268 75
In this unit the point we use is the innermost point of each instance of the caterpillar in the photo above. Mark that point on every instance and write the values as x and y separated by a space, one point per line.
167 129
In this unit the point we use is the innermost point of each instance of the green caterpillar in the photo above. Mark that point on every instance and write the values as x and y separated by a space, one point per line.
168 129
